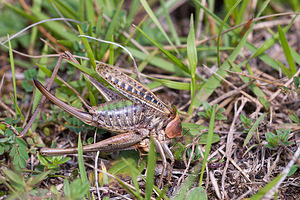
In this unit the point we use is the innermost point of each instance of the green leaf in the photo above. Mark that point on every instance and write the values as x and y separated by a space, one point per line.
23 153
27 86
173 84
30 74
155 20
83 174
90 12
293 170
259 195
42 159
209 141
204 138
15 177
88 49
197 193
65 9
287 51
192 56
253 128
193 129
150 170
40 177
11 59
174 59
67 189
21 142
112 26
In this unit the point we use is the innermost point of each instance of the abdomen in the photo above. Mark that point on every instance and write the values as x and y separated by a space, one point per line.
120 115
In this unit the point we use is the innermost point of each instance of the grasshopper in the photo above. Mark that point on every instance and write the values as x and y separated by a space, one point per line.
136 114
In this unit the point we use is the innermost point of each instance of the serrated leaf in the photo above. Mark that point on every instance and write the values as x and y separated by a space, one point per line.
21 142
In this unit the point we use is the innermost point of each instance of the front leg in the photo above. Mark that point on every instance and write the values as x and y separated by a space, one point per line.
125 141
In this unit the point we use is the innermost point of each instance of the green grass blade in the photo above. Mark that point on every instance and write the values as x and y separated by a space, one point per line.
232 9
241 12
89 71
192 56
189 182
55 27
270 42
209 141
254 88
20 12
156 61
90 13
111 53
208 88
173 84
65 9
253 128
88 49
296 56
173 58
169 21
81 10
12 64
266 189
287 50
113 24
284 69
132 11
155 20
83 174
150 170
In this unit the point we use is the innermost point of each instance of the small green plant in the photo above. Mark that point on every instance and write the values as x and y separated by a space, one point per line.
279 139
246 123
21 187
76 189
16 147
208 111
29 75
294 118
52 162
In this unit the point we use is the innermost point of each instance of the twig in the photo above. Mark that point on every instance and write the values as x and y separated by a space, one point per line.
284 174
229 143
25 130
256 78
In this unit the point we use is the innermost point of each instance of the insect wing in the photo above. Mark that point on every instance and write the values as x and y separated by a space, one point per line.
131 88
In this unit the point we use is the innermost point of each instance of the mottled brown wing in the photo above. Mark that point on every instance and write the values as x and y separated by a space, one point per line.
131 88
